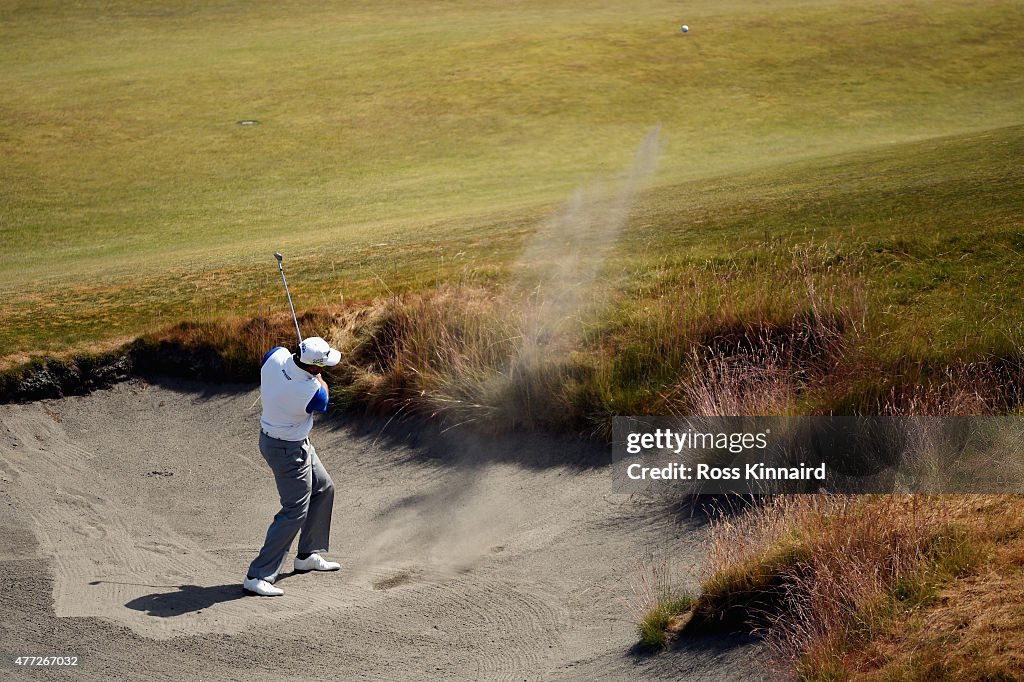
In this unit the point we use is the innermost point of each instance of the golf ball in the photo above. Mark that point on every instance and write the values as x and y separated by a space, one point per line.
685 28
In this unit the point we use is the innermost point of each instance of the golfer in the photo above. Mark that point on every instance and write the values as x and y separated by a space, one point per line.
292 390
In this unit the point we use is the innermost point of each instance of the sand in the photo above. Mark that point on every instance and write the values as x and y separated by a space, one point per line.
128 518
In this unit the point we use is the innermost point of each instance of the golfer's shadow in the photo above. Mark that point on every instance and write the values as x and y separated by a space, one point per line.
188 599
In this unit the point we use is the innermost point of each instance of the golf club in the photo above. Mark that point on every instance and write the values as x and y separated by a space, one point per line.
280 266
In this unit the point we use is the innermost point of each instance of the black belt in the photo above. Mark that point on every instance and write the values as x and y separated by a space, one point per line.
282 439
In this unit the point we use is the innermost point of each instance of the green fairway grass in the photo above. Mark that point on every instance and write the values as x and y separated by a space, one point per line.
403 145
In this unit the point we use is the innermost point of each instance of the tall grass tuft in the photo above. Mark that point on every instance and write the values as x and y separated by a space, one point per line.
814 573
657 603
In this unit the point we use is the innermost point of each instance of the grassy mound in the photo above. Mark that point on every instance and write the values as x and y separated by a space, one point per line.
851 586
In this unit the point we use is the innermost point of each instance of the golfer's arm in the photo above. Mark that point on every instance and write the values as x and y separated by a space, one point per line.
318 403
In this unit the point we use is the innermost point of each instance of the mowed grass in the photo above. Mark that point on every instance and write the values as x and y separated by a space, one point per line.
402 146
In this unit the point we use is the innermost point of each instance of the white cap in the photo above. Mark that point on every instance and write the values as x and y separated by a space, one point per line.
316 351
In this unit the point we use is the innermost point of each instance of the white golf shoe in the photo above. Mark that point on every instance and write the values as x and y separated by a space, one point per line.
261 587
315 562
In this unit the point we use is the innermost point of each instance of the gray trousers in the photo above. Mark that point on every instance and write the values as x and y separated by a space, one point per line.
307 500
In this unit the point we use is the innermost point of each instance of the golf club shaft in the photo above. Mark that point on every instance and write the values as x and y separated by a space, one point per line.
280 266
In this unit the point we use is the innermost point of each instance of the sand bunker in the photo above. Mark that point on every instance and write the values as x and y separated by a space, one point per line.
131 515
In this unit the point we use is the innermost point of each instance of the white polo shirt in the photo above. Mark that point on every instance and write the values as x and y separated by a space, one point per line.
290 395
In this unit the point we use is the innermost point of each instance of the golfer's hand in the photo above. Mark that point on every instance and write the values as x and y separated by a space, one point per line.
322 382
